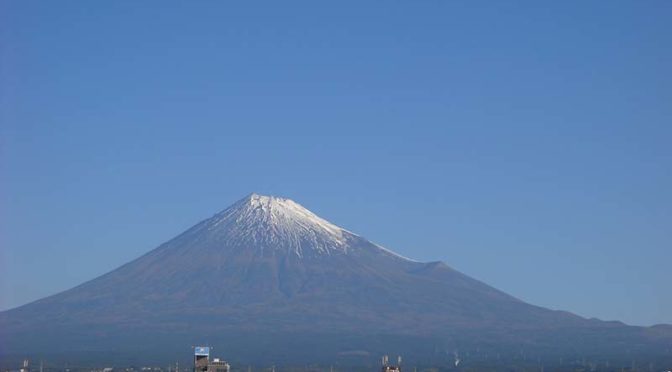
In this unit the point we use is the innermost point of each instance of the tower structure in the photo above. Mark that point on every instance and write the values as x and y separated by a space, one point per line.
201 358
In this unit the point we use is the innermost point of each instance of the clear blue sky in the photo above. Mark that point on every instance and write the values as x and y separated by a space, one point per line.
527 144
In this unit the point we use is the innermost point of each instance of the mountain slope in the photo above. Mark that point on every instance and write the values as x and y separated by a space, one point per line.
267 266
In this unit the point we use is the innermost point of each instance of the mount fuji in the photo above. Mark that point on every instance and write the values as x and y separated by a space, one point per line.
266 279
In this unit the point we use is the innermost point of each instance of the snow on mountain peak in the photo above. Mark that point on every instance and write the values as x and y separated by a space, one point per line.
280 211
274 223
270 224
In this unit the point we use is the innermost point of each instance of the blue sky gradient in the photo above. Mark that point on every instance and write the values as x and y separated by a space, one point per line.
527 144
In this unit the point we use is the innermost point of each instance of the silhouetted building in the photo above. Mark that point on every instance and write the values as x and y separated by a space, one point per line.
201 358
202 361
218 365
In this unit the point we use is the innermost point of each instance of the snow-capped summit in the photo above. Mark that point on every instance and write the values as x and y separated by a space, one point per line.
270 224
262 225
283 214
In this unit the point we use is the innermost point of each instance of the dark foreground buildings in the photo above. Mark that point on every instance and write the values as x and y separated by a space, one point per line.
202 362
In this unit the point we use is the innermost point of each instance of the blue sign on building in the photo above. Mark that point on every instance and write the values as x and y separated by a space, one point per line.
202 350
